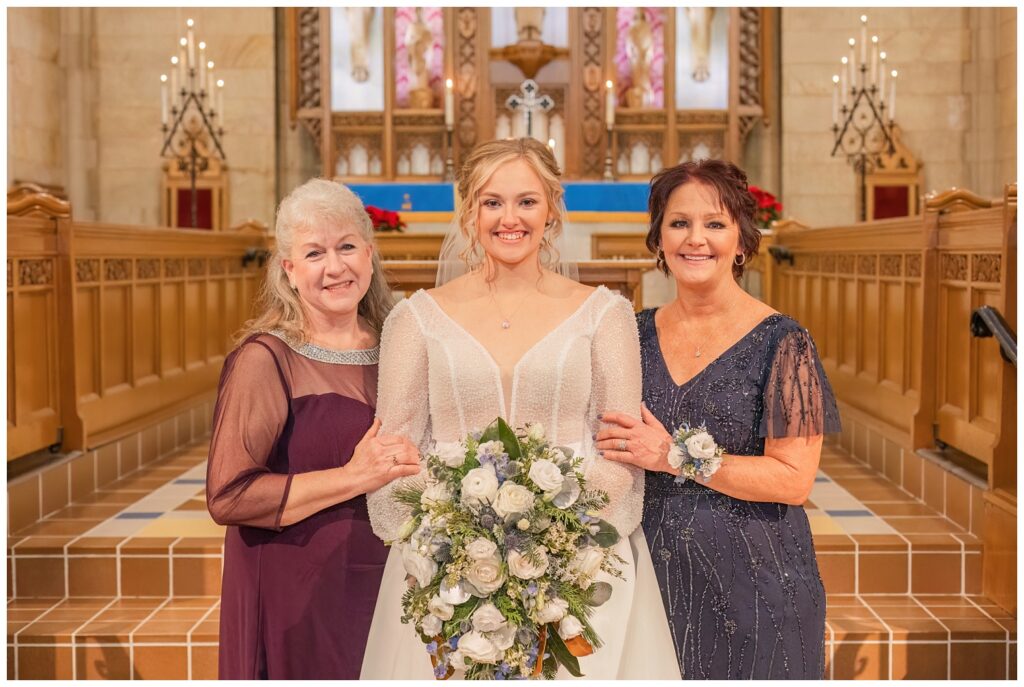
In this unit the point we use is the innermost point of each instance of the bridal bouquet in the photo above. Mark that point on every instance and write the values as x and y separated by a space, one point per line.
504 544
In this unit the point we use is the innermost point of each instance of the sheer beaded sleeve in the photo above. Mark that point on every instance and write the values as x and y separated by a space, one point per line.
402 406
251 410
798 400
615 357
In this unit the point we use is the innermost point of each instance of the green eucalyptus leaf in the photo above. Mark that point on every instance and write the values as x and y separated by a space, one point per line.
561 652
607 536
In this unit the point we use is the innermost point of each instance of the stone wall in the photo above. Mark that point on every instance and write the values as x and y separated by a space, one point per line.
34 87
956 85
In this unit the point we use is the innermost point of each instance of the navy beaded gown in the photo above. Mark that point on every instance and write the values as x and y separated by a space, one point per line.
739 579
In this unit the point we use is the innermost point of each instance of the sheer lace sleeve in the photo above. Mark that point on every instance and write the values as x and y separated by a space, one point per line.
798 400
251 410
615 358
402 406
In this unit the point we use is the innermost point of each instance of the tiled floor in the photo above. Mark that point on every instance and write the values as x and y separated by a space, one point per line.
125 583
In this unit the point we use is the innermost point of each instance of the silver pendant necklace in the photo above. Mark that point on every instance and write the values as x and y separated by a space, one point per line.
506 322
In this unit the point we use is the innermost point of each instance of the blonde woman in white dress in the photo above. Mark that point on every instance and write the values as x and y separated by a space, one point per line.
515 339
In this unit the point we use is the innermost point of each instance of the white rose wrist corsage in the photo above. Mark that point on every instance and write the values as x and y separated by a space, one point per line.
694 453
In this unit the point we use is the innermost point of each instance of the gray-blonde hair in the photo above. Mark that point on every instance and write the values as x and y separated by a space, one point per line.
318 201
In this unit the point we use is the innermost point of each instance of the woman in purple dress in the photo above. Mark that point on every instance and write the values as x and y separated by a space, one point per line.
295 448
733 552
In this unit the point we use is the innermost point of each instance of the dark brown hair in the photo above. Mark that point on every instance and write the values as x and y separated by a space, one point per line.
730 185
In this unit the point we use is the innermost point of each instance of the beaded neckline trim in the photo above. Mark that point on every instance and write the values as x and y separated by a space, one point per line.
359 356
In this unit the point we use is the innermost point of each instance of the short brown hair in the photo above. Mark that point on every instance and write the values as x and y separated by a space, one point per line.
730 185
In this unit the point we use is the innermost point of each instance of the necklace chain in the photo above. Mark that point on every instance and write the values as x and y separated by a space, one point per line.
506 322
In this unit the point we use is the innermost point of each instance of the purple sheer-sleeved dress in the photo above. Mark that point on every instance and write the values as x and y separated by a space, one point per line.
296 600
739 579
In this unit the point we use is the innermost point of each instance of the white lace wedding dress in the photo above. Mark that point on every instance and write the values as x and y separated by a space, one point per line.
438 383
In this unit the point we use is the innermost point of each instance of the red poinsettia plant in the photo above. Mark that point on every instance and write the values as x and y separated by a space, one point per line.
384 220
769 209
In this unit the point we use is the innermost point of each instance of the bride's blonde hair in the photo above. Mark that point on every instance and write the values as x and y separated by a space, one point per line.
477 170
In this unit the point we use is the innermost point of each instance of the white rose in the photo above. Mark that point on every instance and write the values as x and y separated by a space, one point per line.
553 611
588 561
676 457
479 485
486 576
570 627
481 548
535 431
512 499
490 448
546 475
452 455
520 565
454 594
435 495
420 567
503 638
440 608
487 618
431 625
568 494
701 446
476 647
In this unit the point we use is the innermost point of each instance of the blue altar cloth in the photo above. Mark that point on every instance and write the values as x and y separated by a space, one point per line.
580 196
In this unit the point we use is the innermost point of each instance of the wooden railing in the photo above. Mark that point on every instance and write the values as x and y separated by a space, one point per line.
111 327
889 305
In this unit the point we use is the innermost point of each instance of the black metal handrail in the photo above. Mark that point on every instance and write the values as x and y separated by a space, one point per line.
986 321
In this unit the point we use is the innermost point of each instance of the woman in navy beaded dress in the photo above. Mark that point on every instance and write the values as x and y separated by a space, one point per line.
733 553
295 449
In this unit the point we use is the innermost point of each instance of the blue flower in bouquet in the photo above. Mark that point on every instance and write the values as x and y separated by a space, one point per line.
441 671
432 648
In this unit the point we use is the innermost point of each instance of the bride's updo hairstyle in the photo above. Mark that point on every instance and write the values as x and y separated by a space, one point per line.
477 170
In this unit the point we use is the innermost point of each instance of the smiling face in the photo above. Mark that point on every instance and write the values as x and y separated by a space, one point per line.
330 267
512 209
699 236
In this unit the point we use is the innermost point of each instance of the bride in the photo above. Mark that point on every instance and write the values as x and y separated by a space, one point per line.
515 339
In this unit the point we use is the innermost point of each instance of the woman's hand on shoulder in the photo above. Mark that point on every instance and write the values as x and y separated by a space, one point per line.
644 442
380 458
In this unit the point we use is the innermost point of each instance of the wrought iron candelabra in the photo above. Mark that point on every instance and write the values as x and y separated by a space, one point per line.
193 115
863 115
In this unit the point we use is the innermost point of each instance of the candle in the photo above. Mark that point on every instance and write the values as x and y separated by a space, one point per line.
874 60
881 76
551 144
835 99
892 97
863 38
220 101
163 99
202 65
844 74
182 57
191 45
609 105
209 80
449 104
853 64
174 79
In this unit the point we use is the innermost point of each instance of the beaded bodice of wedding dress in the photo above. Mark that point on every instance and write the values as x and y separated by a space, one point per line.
438 384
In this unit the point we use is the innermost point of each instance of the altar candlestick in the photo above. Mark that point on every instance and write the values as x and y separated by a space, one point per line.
220 101
163 99
853 63
874 60
892 97
202 65
449 104
183 58
175 68
863 38
609 105
191 44
881 76
843 76
209 80
835 99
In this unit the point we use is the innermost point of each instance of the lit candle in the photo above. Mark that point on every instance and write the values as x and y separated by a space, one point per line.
835 99
551 144
853 63
892 97
844 74
175 68
881 76
449 104
220 101
163 99
202 65
863 38
609 105
209 80
191 44
874 60
183 56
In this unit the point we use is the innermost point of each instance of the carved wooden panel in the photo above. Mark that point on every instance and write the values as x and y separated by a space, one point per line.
593 42
467 64
307 65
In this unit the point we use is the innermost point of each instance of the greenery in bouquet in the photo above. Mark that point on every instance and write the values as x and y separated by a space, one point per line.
505 544
769 209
